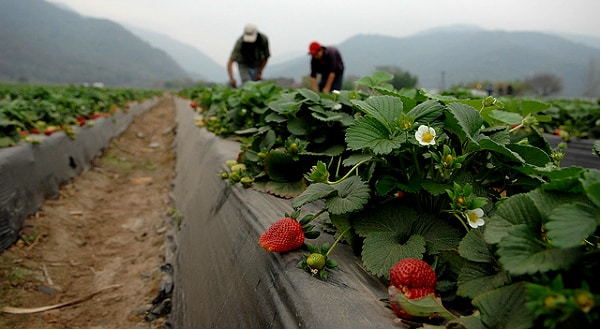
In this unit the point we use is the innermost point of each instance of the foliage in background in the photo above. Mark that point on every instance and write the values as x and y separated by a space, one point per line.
468 184
30 109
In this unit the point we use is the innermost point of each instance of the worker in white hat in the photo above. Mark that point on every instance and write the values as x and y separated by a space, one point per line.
251 52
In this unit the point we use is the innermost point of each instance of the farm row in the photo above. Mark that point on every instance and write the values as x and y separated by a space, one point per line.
28 110
465 184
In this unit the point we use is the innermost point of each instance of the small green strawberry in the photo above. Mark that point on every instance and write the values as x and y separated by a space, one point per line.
316 261
285 235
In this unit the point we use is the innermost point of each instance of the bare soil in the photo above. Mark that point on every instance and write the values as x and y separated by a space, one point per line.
101 243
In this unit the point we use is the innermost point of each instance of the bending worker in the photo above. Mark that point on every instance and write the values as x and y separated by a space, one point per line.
251 52
327 62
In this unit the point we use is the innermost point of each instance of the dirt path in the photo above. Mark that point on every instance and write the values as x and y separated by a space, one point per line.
105 234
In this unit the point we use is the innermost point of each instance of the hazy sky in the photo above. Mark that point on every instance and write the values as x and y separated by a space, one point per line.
212 26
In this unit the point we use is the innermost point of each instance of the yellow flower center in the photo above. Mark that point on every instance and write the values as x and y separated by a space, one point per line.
427 137
472 216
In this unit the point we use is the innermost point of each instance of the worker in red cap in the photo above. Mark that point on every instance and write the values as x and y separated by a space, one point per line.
251 52
327 62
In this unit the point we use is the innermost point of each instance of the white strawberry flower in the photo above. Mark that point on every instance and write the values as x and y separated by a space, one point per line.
425 135
474 217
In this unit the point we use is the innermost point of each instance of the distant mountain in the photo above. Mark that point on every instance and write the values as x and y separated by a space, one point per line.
197 64
462 54
43 43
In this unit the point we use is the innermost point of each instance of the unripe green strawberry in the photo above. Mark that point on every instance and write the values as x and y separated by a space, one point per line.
241 168
316 261
284 235
293 148
246 181
234 176
231 163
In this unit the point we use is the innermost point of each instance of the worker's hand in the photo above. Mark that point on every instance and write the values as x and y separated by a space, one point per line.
259 74
233 83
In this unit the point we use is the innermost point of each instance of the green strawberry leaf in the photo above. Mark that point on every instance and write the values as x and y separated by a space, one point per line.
426 112
516 210
487 143
382 250
473 247
530 154
385 109
309 94
477 278
315 191
352 195
298 126
395 232
571 224
376 79
427 306
525 107
505 308
506 117
590 184
464 120
520 252
369 133
287 190
281 166
327 116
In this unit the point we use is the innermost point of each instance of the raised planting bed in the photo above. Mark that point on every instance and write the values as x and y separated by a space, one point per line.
31 173
224 279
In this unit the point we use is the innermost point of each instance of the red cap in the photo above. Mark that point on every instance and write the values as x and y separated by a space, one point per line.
314 47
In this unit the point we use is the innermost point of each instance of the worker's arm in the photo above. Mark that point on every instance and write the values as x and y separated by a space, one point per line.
329 82
230 72
314 84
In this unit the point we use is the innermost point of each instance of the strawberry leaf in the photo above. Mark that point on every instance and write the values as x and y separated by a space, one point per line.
520 254
427 306
282 189
369 133
313 192
352 194
395 232
465 120
505 308
476 278
571 224
474 248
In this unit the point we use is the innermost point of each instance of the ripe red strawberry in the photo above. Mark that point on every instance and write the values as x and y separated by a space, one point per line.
50 129
412 277
94 115
81 120
284 235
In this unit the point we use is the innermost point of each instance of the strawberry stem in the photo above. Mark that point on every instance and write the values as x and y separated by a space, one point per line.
337 240
349 172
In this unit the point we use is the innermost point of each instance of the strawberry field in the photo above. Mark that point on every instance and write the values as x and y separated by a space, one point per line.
42 110
40 146
459 205
469 185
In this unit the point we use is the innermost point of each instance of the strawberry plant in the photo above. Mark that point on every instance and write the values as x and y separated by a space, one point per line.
469 186
28 109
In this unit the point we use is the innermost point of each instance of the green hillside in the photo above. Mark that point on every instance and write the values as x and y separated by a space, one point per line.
465 55
42 43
